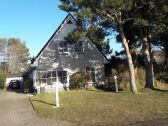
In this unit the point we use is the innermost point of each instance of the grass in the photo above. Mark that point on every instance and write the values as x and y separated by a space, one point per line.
97 108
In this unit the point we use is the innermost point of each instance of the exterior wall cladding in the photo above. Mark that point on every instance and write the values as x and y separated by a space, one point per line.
50 57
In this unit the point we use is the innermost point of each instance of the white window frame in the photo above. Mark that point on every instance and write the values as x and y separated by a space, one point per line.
64 48
39 78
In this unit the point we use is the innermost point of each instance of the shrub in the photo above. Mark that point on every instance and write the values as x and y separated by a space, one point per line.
139 75
162 76
123 79
28 85
2 80
110 84
78 80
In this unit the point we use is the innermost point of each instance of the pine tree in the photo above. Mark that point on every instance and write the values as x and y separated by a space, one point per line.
108 15
147 28
148 23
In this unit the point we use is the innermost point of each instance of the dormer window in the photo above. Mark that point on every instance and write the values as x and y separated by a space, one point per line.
63 47
79 47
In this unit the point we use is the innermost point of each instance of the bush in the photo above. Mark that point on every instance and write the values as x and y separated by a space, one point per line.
78 80
110 84
123 79
28 85
2 80
139 75
162 76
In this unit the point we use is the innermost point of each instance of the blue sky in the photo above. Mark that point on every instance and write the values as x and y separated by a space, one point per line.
33 21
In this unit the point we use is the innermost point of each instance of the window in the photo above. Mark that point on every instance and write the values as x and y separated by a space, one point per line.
45 77
42 77
49 77
69 22
63 47
53 73
49 80
62 76
90 71
79 47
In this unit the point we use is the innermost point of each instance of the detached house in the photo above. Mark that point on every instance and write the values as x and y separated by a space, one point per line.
59 59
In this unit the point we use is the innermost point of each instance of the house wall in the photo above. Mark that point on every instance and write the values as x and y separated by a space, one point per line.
50 58
73 61
79 61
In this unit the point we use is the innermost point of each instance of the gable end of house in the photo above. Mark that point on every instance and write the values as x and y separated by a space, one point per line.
68 19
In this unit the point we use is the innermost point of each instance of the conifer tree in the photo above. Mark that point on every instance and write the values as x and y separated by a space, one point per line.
107 15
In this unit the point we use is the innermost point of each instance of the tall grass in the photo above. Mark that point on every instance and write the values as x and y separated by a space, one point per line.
124 84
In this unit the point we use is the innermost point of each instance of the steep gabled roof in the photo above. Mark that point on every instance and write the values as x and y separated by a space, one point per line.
66 18
57 30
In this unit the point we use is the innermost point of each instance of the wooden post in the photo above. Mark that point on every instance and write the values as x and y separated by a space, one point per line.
56 95
115 81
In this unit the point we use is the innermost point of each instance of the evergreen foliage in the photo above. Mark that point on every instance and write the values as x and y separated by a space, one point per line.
108 16
140 23
86 27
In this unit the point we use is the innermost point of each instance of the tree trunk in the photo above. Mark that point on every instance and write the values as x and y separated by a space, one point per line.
166 63
148 64
129 60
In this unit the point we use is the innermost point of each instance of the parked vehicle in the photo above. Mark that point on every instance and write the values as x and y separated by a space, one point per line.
14 84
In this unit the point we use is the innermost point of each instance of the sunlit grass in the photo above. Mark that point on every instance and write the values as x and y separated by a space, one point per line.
103 108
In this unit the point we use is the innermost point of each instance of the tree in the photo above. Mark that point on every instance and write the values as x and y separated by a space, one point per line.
147 29
97 34
162 38
3 54
2 79
150 22
107 15
14 54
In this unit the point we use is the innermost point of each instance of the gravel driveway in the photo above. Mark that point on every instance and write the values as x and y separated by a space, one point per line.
15 110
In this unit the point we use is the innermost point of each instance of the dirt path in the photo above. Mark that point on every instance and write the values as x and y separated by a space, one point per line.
15 110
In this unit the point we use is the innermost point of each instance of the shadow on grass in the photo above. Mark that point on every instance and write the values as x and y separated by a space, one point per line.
161 90
148 90
110 90
43 102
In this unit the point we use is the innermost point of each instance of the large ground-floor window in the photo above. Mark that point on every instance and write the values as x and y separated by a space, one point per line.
49 77
45 77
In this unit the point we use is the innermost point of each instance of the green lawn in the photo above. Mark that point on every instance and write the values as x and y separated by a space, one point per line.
97 108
